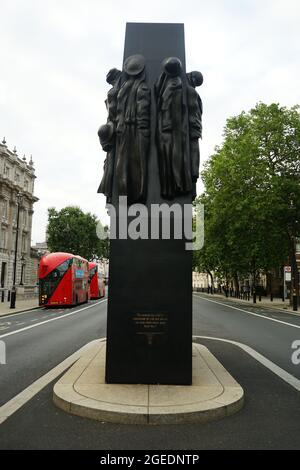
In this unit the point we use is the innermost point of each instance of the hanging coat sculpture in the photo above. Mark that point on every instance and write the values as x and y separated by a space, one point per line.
179 111
128 138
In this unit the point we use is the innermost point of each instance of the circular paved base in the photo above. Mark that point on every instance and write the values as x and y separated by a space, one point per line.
214 394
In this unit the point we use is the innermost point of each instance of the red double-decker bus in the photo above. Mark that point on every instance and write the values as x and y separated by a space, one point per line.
97 286
63 280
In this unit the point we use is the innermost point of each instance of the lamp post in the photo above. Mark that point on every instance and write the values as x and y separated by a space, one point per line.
22 269
13 291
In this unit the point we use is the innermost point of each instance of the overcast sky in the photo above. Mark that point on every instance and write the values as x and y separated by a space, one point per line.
54 56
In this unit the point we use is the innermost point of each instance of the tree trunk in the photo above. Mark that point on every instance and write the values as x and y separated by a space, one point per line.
254 282
212 281
236 284
271 286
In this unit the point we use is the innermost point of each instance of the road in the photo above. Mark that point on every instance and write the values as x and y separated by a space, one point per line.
269 419
33 352
269 332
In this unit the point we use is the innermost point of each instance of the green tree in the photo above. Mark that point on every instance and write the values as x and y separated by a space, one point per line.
71 230
252 193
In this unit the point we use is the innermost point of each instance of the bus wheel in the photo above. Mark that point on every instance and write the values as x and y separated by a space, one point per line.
76 300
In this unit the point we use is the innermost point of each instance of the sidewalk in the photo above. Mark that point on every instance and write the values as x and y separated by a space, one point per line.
277 304
21 306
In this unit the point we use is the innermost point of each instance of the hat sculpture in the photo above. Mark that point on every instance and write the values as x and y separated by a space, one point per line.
134 64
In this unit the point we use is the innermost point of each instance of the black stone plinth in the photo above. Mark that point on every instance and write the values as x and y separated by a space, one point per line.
149 324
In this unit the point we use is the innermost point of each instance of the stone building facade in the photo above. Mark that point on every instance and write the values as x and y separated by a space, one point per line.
17 176
200 280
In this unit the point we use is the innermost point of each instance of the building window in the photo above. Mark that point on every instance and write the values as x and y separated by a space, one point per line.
24 243
25 218
26 184
3 239
17 177
15 212
13 239
6 171
3 274
5 209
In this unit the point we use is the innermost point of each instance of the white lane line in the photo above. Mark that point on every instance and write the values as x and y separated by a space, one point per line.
47 321
283 374
275 310
28 393
250 313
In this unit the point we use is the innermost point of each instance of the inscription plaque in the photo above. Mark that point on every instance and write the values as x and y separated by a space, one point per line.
151 326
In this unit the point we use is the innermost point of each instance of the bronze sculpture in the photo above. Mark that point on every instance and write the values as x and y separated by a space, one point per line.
126 136
179 126
107 133
194 102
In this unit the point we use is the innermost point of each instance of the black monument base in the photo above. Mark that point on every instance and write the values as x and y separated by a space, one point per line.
149 331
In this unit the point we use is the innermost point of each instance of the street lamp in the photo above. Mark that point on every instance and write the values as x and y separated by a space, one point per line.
22 268
13 291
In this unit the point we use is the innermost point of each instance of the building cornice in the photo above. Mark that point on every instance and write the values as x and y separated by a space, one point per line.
15 160
17 188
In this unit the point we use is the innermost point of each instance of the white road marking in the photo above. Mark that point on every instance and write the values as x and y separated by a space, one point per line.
51 319
28 393
283 374
250 313
275 310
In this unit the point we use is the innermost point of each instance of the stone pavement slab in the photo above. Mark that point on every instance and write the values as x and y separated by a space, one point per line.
21 306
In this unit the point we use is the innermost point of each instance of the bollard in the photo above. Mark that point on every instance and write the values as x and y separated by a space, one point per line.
8 296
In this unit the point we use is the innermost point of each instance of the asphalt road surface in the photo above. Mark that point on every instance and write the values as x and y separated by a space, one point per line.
270 418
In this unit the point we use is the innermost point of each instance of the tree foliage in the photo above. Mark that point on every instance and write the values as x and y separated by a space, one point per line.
252 193
73 231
